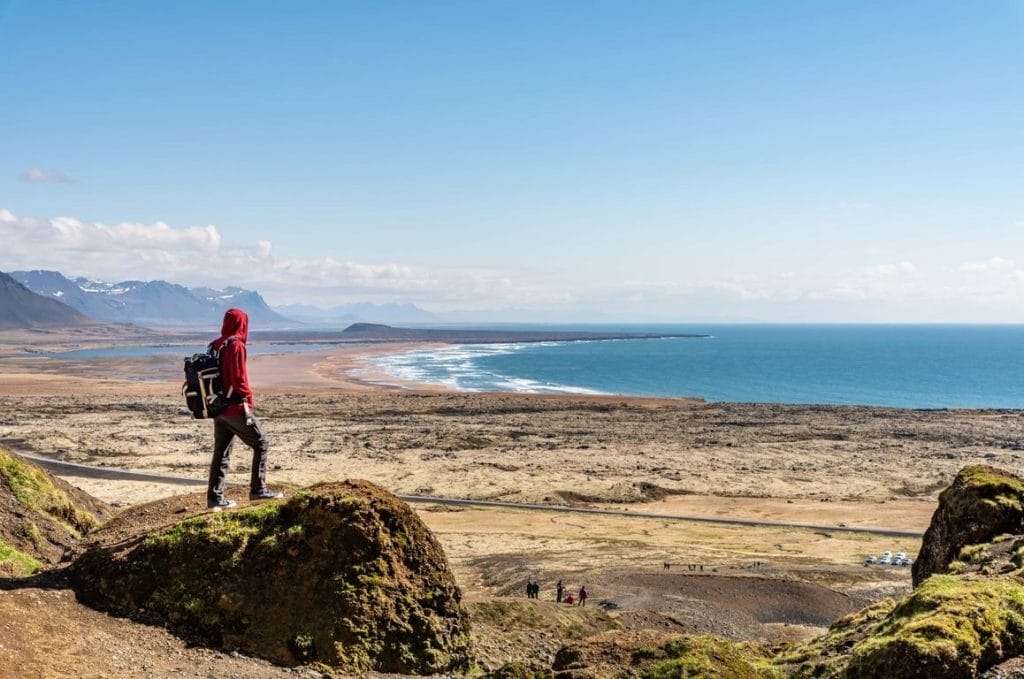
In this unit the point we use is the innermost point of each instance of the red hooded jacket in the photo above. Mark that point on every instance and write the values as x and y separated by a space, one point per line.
232 359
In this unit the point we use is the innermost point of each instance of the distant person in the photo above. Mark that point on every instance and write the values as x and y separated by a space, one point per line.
583 595
569 600
559 592
237 419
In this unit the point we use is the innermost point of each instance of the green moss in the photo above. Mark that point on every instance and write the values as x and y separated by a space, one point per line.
518 670
997 490
31 532
815 658
955 625
712 657
950 626
33 489
19 563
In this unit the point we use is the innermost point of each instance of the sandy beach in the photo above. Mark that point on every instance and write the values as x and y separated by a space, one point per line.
331 415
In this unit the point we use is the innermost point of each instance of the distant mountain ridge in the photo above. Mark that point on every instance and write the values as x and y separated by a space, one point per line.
21 308
148 303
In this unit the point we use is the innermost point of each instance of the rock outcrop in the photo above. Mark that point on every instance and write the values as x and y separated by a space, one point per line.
41 516
966 613
342 574
981 504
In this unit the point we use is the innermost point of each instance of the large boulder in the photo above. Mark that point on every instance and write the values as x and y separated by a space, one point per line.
41 516
953 627
966 613
982 503
343 574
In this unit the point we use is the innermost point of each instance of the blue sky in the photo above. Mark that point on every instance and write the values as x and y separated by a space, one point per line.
784 161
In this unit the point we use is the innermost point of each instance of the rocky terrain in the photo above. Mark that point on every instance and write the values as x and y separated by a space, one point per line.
344 577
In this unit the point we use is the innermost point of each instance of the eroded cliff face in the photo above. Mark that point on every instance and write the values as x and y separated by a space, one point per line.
41 516
982 504
342 574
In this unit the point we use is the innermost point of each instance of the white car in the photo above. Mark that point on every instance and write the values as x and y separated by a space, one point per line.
885 560
870 560
887 555
897 561
901 555
908 562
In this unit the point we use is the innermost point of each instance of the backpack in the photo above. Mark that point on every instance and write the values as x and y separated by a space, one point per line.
203 389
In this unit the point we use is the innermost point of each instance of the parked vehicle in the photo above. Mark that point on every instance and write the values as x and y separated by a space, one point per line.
885 560
870 560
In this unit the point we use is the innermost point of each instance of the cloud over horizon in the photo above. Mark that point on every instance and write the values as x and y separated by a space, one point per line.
989 290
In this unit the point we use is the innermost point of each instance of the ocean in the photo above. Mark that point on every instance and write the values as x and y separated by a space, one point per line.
909 366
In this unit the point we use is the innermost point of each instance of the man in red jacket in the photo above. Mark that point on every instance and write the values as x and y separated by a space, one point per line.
237 419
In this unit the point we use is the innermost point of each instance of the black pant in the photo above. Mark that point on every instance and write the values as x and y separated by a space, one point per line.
225 429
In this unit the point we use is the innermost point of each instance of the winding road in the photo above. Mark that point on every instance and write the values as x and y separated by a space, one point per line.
94 472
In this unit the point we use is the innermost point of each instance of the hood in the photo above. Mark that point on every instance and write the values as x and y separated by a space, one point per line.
236 324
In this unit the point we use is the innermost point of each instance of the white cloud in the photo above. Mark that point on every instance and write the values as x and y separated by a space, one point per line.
38 175
889 270
198 255
993 264
991 289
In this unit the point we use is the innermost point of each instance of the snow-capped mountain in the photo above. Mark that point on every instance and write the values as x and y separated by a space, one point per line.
149 303
22 308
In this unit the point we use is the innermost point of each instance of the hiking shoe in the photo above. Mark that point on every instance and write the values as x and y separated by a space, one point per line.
223 503
265 495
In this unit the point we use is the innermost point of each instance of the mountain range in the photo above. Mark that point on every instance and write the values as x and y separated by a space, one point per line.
149 303
22 308
159 304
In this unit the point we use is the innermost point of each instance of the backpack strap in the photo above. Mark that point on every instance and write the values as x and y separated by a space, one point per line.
229 396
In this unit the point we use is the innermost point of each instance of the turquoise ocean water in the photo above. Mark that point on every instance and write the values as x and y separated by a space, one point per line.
914 366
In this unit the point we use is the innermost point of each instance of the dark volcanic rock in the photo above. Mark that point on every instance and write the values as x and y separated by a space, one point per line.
41 516
343 574
982 503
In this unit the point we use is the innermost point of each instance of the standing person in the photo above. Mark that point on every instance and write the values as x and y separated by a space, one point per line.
559 591
583 595
237 419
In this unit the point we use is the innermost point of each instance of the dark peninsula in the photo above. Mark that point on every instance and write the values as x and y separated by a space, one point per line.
377 333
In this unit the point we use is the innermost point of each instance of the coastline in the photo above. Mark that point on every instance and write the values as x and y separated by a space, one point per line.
331 414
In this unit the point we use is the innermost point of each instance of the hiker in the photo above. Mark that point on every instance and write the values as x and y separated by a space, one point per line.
237 419
569 600
583 595
559 591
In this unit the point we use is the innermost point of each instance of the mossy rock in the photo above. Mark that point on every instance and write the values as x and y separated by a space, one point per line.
519 670
950 627
711 657
342 574
982 503
661 656
41 516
